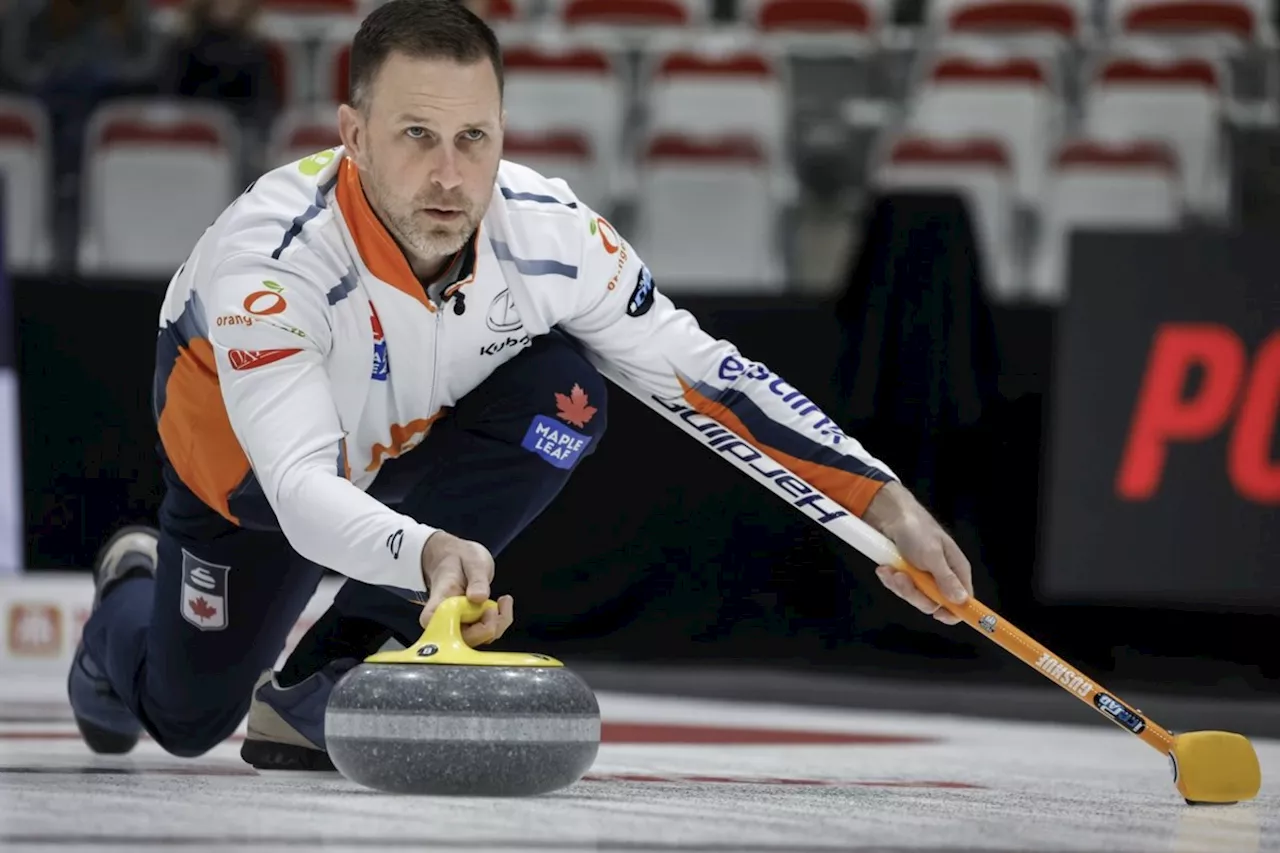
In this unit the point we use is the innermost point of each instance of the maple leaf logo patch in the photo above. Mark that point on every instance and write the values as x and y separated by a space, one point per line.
203 609
574 409
204 593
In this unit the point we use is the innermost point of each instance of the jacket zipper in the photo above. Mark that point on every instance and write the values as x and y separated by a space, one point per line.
435 362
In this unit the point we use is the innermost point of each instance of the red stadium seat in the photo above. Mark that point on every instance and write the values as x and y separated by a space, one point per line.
814 16
1013 17
1234 18
648 13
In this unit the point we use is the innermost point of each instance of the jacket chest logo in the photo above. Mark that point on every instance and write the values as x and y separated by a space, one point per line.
503 316
381 363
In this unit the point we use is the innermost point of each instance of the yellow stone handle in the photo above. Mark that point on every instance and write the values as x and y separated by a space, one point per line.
442 643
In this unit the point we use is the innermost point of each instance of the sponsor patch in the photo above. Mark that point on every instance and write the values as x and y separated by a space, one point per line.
642 297
204 593
556 443
1120 713
733 368
502 316
608 236
394 543
499 346
264 303
575 408
248 359
381 361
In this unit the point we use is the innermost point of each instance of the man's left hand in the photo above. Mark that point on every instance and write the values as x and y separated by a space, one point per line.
924 544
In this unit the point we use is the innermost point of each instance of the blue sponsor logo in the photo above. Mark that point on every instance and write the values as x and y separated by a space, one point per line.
642 297
554 442
381 362
733 368
1119 712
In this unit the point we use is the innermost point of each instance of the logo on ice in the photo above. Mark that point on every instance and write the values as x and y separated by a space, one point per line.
1064 675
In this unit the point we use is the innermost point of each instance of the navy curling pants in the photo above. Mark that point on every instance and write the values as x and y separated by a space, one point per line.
475 476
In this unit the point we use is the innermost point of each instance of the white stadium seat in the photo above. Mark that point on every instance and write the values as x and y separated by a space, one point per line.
156 176
706 216
980 170
1108 185
1010 96
1178 100
565 155
28 188
704 91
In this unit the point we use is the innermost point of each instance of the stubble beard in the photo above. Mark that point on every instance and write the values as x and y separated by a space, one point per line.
429 242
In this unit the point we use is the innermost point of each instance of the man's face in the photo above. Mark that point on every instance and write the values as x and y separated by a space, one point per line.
428 143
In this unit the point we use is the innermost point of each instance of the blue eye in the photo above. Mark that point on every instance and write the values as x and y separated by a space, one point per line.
416 132
474 135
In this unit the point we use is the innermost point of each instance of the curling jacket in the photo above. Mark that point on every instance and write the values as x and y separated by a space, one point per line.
298 352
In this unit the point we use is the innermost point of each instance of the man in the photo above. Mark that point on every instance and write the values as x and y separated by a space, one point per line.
371 363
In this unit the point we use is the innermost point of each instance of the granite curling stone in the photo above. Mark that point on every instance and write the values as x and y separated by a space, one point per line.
442 718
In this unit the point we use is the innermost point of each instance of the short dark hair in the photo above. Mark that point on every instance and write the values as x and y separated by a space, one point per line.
422 29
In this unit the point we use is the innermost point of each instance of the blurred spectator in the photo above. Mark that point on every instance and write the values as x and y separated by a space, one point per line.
218 54
73 55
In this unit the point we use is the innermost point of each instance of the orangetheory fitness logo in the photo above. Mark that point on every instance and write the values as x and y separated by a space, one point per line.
264 303
608 236
1199 382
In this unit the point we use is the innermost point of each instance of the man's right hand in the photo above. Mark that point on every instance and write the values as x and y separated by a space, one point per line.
452 567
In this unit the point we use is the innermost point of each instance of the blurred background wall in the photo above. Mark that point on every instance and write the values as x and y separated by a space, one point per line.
1022 249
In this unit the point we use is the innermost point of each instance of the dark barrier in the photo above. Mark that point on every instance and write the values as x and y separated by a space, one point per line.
1164 484
657 550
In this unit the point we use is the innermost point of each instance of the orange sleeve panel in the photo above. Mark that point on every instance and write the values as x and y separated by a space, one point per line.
848 489
196 431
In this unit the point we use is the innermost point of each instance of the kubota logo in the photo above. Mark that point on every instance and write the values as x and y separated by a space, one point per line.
1197 379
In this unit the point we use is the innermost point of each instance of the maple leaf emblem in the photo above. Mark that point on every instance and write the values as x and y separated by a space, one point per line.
203 609
574 408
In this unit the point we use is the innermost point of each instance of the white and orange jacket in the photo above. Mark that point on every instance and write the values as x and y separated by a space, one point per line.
298 352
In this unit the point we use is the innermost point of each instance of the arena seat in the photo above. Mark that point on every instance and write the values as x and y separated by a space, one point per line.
156 175
1110 185
1178 100
26 167
980 170
719 92
1010 96
706 215
567 155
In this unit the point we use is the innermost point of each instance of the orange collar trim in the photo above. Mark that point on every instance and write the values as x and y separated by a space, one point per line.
380 253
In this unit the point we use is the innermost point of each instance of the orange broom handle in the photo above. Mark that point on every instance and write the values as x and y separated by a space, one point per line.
740 451
1009 637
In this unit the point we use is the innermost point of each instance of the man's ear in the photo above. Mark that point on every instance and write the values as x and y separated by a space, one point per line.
352 129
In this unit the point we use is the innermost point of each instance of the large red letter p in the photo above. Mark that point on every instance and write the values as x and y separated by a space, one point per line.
1163 415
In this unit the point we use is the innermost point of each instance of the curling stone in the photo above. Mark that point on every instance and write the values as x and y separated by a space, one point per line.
442 718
